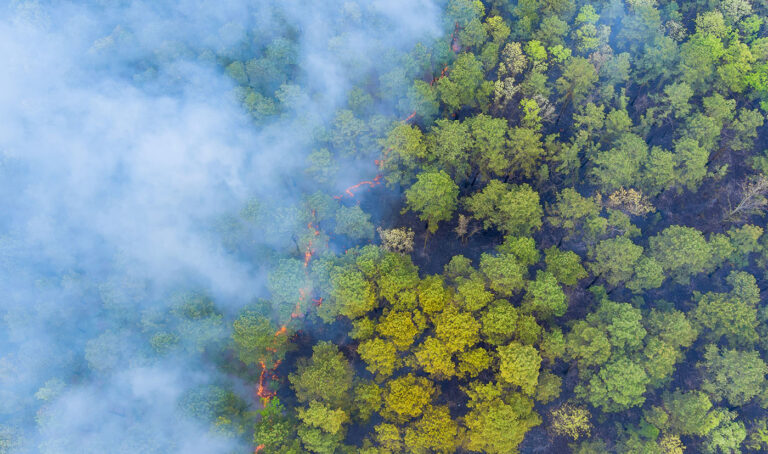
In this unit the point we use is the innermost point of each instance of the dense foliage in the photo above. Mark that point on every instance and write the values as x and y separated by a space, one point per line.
589 177
608 151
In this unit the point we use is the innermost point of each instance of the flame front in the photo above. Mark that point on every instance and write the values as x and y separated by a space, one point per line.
373 183
261 391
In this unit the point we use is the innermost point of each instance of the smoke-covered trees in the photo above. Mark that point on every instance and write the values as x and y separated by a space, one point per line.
256 340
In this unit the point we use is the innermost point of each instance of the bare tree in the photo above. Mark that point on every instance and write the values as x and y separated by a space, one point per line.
630 201
397 240
462 229
751 199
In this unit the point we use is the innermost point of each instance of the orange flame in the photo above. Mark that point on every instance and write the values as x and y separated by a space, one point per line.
310 225
308 254
282 330
410 117
297 310
455 47
261 390
442 74
375 182
258 449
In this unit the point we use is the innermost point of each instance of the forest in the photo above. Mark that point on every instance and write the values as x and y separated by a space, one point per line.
539 227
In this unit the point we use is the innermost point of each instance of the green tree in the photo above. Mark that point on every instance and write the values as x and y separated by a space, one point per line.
472 294
347 132
463 85
551 31
351 295
524 152
422 99
733 375
489 144
648 274
659 361
473 34
499 322
313 376
673 327
617 386
472 362
256 339
698 58
691 160
512 209
660 171
367 399
620 166
564 265
318 441
457 330
681 251
398 281
275 429
404 151
727 436
577 81
434 196
504 273
497 421
545 297
449 143
722 315
552 345
571 211
622 322
615 259
433 294
286 281
323 417
435 357
434 432
520 366
690 413
589 345
523 248
399 327
379 355
745 242
676 99
388 437
548 387
407 397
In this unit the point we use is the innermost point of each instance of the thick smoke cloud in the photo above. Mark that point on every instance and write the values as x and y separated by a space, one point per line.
112 172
